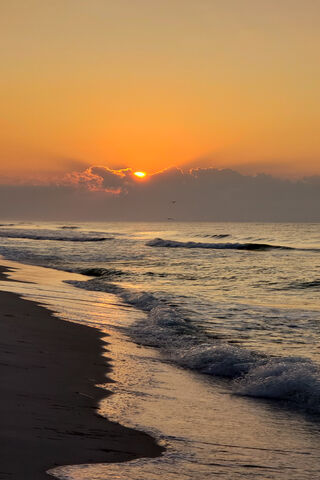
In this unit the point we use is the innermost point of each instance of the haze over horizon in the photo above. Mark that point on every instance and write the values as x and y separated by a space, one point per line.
203 194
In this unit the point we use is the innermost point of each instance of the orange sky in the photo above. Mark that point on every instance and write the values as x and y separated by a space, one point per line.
148 84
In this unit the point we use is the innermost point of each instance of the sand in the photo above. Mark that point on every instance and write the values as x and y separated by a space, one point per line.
48 398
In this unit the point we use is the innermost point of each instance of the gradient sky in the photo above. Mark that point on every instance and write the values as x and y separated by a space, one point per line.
148 84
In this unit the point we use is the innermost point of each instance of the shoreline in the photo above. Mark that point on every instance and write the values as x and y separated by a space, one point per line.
49 370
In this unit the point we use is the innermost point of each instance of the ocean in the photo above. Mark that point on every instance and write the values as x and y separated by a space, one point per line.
212 330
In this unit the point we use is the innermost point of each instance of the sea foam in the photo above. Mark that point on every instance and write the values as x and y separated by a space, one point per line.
295 380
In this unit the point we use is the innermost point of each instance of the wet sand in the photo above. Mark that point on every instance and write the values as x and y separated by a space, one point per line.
48 398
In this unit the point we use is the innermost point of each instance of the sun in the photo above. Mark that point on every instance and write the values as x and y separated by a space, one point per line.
139 174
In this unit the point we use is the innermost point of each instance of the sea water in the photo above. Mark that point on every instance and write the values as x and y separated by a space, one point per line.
214 337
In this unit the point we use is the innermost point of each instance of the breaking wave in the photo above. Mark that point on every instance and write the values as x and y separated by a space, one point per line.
159 242
294 380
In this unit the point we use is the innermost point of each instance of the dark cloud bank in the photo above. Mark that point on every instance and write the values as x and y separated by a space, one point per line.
206 194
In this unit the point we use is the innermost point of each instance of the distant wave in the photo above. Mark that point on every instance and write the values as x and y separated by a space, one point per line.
159 242
177 276
294 380
100 272
48 236
69 227
304 285
217 235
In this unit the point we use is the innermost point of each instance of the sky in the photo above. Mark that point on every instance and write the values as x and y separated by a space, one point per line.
150 85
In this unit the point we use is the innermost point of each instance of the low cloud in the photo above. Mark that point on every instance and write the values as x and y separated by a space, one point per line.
101 179
201 194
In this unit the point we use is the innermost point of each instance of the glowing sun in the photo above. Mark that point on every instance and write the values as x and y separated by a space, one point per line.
139 174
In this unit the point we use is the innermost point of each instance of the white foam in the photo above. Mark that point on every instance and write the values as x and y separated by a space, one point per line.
219 360
294 379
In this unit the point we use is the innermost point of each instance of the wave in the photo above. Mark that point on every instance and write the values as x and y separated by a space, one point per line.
159 242
52 236
305 284
217 235
143 301
69 227
177 276
294 380
99 272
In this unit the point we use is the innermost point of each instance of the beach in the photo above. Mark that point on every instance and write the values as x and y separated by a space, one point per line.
49 371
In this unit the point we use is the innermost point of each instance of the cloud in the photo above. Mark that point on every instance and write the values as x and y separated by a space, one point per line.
200 194
98 178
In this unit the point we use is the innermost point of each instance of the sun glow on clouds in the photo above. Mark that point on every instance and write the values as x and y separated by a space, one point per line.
140 174
103 179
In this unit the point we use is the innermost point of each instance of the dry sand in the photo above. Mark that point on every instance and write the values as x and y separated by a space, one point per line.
48 399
